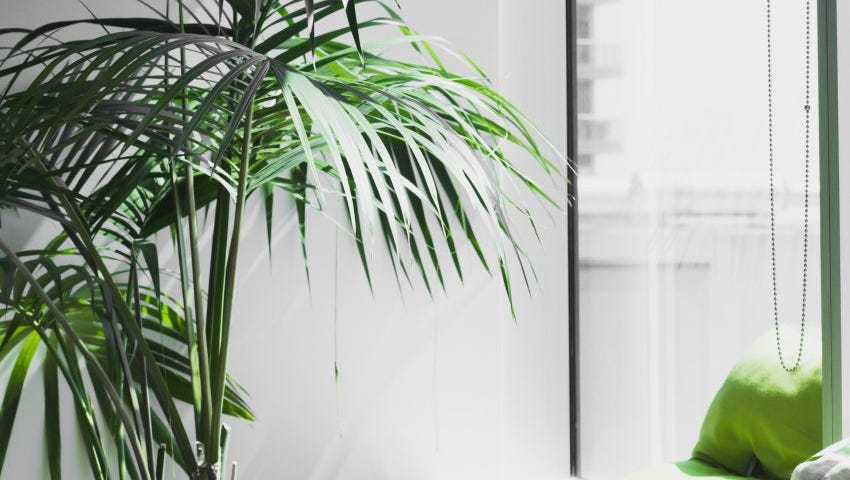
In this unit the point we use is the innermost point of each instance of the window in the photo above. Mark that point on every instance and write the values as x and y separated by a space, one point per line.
584 20
675 259
585 96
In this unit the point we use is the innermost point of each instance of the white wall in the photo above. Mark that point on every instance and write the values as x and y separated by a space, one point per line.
444 388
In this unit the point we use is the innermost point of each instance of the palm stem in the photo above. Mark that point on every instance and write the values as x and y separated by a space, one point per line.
200 317
191 341
230 284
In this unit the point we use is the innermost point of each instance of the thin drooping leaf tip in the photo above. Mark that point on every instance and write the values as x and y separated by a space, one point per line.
506 282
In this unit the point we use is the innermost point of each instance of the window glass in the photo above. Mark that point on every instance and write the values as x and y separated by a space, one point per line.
674 212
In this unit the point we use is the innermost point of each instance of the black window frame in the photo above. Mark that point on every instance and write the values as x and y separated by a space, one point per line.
572 231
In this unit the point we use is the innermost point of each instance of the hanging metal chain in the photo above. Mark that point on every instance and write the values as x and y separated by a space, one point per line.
807 112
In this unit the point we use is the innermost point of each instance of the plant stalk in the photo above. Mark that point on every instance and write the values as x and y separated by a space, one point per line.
230 285
200 317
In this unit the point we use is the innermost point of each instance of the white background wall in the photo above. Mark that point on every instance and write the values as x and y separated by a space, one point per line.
444 388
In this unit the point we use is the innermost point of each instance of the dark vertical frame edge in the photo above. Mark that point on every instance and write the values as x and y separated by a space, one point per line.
572 234
829 218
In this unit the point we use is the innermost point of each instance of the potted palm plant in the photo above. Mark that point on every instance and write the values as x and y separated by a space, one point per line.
156 130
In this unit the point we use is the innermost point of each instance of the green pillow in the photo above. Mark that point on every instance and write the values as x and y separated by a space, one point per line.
764 421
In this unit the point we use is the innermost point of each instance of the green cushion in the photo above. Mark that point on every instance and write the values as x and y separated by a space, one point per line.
685 470
764 416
